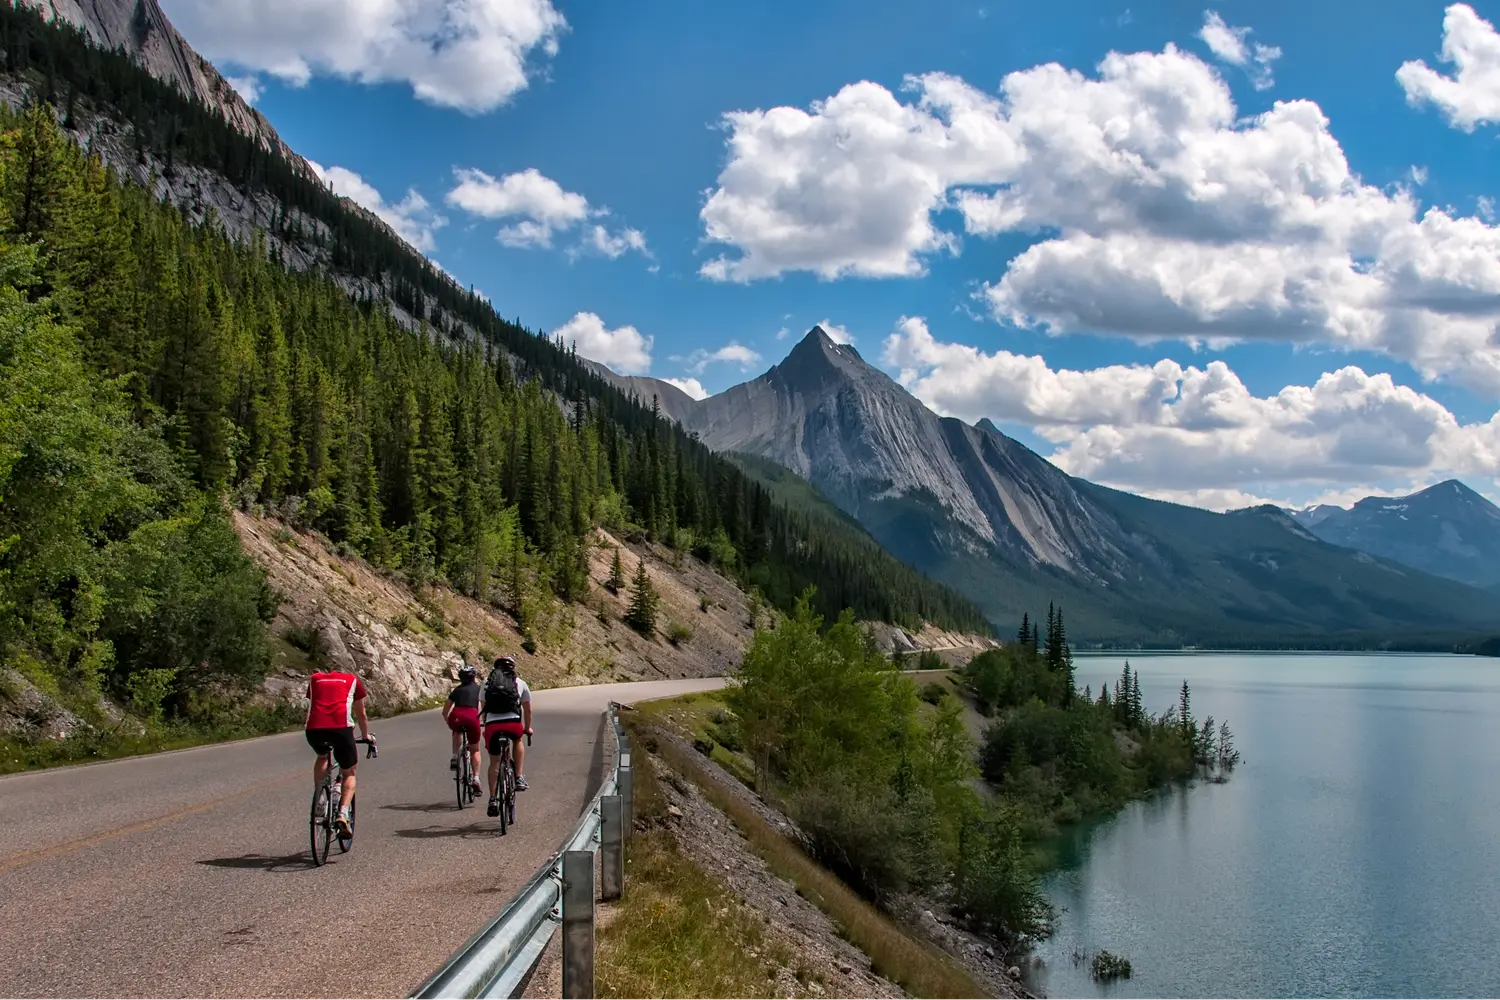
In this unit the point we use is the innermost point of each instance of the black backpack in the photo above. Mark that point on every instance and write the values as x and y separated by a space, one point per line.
501 696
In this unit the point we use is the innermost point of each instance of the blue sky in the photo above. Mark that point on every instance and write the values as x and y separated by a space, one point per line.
1005 263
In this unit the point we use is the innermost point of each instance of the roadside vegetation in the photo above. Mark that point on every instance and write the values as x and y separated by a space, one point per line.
877 769
678 931
913 964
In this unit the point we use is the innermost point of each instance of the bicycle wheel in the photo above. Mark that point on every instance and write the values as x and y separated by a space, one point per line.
504 774
510 793
461 775
320 824
347 842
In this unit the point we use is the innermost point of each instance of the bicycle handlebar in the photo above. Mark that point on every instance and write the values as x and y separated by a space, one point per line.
373 751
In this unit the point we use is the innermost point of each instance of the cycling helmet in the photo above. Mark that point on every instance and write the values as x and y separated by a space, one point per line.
466 672
505 663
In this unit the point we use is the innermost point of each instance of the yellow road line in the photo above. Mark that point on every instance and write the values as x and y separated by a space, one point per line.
67 847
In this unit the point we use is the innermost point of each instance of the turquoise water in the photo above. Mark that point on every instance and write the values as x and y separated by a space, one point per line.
1354 853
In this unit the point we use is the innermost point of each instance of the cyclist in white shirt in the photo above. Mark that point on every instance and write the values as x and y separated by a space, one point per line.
507 715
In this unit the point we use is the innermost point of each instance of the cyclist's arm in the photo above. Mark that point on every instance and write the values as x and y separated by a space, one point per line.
447 709
526 715
361 718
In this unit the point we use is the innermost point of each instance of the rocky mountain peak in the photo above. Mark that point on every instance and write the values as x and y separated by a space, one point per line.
141 30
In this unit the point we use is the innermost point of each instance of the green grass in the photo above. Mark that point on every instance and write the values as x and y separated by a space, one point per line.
679 931
916 966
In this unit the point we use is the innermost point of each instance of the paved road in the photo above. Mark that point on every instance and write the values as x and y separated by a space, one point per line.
187 873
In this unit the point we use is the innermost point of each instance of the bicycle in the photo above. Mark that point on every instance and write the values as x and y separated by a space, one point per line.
508 785
325 809
464 777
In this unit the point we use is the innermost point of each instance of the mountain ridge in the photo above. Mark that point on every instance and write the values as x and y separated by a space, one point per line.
973 507
142 30
1447 529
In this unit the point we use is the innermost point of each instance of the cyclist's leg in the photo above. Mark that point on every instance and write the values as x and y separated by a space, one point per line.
455 733
347 754
320 745
476 740
518 748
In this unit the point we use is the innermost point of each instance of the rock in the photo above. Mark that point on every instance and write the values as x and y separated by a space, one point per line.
1014 972
989 952
846 969
674 812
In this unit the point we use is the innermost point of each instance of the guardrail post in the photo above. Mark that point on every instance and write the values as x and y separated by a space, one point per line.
627 797
611 849
578 924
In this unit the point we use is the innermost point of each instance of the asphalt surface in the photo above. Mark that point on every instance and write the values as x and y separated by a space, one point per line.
188 873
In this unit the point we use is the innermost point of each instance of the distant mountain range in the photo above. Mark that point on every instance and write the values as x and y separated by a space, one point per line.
980 511
1447 530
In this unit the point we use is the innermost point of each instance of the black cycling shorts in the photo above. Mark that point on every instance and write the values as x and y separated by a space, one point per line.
339 740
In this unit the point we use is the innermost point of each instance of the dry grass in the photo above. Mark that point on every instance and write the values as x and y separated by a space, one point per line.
678 931
919 968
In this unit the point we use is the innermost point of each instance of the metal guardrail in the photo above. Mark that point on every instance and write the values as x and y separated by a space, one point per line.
495 961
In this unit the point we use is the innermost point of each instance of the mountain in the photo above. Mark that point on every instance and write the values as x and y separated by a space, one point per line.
974 508
140 30
672 401
1447 530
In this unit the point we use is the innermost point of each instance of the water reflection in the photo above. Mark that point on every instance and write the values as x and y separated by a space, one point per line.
1352 853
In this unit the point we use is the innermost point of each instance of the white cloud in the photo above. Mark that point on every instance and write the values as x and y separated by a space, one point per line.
691 386
1472 95
1233 45
1418 175
783 333
623 349
248 87
466 54
1198 434
413 219
732 353
612 245
539 208
1164 214
836 333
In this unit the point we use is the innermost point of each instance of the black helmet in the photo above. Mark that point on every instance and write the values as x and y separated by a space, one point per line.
506 664
466 672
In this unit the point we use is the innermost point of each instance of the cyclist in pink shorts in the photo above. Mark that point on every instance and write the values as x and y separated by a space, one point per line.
461 712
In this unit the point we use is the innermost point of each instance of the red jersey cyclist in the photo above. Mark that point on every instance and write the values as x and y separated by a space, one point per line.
337 702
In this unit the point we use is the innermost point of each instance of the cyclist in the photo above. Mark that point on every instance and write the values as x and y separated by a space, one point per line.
461 712
337 702
507 715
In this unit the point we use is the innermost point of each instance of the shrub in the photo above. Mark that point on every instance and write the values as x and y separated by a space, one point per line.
869 836
1107 966
678 633
995 889
932 692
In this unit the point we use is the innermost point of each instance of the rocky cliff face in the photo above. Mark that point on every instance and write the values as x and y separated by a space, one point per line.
879 454
1447 530
141 30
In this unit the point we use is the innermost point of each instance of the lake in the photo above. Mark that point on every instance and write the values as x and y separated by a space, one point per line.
1355 852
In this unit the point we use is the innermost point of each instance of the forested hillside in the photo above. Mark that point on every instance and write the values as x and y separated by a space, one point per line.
151 367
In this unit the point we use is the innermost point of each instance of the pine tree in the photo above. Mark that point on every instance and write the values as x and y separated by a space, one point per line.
1185 714
616 574
1023 636
1227 754
641 615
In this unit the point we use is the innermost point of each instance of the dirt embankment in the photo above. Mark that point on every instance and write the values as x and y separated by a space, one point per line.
407 644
